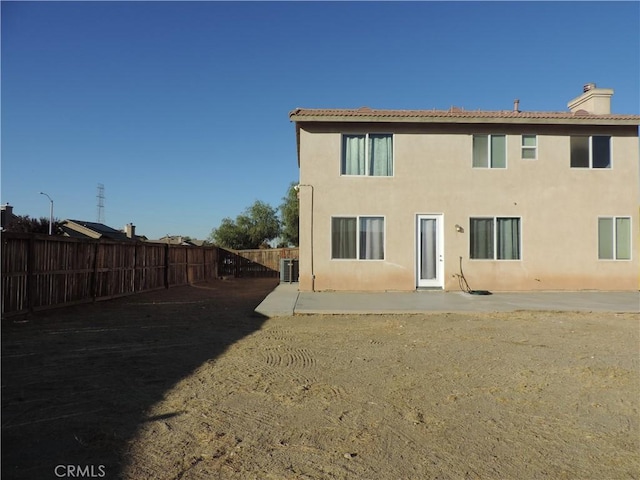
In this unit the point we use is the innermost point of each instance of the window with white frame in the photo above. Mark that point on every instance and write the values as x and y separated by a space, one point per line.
529 147
369 154
590 151
614 238
357 238
489 151
495 238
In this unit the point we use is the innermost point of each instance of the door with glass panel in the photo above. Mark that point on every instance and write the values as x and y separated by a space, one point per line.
430 263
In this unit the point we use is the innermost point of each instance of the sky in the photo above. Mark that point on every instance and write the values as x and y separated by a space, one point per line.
181 109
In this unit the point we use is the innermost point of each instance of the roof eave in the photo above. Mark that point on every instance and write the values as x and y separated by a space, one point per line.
577 120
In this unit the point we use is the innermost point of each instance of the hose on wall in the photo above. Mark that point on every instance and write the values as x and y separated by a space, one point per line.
464 285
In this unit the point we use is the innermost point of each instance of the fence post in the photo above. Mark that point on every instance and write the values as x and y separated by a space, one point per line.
186 257
166 266
94 277
135 268
31 280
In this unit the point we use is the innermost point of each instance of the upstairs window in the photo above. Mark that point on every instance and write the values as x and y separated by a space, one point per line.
368 154
614 238
495 238
489 151
529 147
590 151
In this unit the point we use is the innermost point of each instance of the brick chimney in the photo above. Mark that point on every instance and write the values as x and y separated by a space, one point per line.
130 230
596 101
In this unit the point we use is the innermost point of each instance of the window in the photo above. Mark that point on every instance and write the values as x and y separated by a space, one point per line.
495 238
368 154
357 238
614 238
590 151
529 147
489 151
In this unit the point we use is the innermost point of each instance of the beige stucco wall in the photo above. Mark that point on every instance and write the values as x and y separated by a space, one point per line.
559 207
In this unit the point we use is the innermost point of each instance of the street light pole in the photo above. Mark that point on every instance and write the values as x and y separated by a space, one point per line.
50 212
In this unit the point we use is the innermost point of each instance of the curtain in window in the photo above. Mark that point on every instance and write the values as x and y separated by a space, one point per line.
480 151
623 238
498 151
343 238
605 238
380 155
481 238
372 238
353 155
508 238
579 151
601 151
427 249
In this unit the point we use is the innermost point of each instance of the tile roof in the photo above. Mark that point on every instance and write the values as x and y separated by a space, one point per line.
457 115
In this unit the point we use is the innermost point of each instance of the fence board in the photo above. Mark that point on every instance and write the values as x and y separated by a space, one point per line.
15 263
254 263
269 257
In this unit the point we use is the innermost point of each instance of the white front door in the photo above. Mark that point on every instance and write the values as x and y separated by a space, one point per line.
430 263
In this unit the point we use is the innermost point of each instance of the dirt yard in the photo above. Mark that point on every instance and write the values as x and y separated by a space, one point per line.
189 383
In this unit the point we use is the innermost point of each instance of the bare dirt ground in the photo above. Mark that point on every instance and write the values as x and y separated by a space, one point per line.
189 383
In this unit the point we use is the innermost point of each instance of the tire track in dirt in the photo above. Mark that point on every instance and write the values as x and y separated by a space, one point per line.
289 358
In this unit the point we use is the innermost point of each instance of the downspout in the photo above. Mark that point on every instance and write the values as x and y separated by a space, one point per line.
313 276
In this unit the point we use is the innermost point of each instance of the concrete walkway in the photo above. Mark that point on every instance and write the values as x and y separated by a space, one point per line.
287 300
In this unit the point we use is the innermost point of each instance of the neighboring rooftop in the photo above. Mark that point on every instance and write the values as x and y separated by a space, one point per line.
83 229
179 240
6 215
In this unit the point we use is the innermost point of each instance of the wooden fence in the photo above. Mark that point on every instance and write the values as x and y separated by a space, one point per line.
258 262
41 272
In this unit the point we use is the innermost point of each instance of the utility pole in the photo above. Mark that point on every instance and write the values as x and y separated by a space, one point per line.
100 197
50 212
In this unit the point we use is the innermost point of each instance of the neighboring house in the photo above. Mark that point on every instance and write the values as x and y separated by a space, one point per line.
6 215
179 240
82 229
399 199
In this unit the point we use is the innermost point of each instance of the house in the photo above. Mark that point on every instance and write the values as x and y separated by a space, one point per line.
6 215
514 200
179 240
94 230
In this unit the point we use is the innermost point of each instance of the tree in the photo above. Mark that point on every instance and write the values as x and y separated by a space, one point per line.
26 224
253 229
289 212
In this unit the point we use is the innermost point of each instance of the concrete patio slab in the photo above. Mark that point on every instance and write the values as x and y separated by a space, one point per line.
287 300
280 302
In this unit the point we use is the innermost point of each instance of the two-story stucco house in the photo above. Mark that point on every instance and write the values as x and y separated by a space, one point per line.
400 199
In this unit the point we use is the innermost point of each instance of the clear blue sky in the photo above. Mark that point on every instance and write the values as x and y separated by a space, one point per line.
181 108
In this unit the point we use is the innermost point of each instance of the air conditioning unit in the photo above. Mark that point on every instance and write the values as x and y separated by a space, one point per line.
288 270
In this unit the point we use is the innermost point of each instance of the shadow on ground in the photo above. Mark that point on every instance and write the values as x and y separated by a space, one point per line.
77 382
